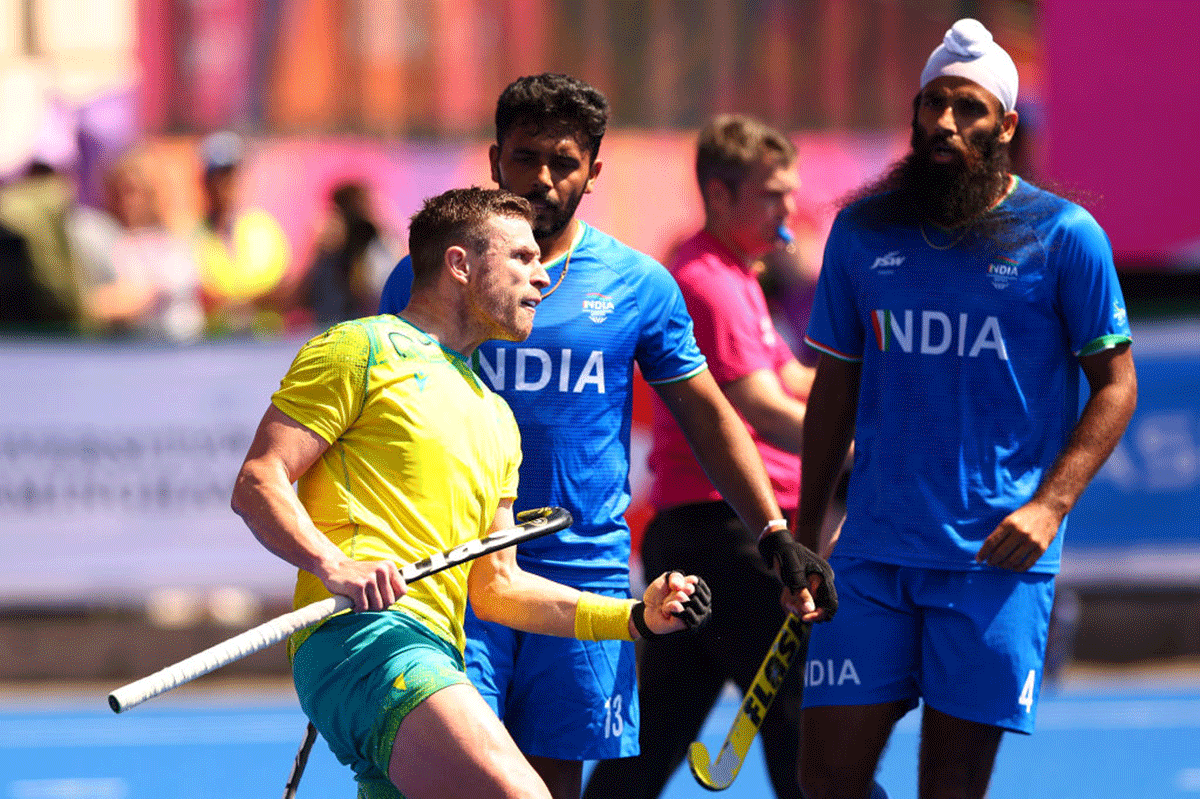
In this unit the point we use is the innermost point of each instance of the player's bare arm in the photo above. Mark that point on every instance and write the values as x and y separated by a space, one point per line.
1021 538
283 450
829 429
502 592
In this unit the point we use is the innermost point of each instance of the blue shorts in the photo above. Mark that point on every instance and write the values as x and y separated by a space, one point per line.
558 697
969 643
359 674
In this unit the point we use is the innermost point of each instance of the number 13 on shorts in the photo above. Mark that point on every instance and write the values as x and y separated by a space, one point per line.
614 719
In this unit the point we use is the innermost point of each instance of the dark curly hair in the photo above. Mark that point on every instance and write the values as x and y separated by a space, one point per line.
550 99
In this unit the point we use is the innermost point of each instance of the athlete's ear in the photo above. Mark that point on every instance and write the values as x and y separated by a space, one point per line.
455 260
1008 127
593 173
494 159
716 191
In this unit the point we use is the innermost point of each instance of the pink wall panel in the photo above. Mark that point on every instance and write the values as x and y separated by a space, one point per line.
1122 108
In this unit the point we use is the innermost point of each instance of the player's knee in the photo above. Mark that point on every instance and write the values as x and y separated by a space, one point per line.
821 778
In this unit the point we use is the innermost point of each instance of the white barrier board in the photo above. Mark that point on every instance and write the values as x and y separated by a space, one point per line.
116 468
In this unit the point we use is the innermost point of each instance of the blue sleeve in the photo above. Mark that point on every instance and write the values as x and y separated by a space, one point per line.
666 349
398 288
1089 293
835 326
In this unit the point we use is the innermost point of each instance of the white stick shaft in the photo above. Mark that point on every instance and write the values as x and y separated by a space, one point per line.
534 523
260 637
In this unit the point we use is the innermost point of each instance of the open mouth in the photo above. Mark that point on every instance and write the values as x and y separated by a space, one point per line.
942 151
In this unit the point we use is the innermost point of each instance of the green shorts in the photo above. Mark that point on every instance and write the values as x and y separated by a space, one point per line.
359 674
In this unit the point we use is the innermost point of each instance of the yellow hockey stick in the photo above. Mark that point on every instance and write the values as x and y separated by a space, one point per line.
718 775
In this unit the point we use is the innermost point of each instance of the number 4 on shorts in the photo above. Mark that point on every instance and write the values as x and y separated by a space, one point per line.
1027 691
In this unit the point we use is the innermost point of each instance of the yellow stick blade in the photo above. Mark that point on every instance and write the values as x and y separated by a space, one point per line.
713 776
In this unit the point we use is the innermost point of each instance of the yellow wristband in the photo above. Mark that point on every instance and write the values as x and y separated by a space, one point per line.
602 618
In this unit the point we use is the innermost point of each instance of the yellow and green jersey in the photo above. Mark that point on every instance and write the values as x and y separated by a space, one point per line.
421 453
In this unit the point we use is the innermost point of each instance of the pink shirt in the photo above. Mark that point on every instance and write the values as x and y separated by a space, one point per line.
734 330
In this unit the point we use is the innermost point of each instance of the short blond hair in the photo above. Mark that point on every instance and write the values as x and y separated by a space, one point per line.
732 145
457 218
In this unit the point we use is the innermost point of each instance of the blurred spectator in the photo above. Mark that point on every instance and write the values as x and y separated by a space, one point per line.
34 208
243 254
20 294
138 277
351 262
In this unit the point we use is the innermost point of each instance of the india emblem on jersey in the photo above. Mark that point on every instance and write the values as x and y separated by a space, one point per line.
1002 273
598 306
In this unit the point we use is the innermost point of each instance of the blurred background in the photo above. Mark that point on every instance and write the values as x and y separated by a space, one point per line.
190 188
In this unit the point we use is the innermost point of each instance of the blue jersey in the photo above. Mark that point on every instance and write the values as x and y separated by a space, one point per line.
570 386
970 377
397 289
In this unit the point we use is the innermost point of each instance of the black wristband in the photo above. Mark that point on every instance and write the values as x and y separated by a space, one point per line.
638 614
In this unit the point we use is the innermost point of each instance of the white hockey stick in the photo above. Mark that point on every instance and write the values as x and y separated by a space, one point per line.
533 523
792 640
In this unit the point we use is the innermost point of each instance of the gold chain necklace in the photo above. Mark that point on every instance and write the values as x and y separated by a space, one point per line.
1010 184
566 266
921 226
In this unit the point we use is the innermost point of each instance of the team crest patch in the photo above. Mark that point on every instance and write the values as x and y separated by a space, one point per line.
1119 316
598 306
1003 273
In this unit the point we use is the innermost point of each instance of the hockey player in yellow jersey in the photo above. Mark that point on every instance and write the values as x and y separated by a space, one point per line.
398 450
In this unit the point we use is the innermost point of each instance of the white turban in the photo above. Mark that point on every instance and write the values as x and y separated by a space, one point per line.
968 51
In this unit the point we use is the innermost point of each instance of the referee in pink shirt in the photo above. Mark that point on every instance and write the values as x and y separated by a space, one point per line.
747 176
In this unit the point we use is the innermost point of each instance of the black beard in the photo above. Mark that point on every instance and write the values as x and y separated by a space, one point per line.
559 216
951 195
960 192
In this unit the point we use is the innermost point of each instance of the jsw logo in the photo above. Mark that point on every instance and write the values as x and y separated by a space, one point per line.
893 258
533 370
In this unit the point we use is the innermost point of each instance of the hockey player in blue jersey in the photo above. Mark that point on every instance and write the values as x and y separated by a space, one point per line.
956 308
569 384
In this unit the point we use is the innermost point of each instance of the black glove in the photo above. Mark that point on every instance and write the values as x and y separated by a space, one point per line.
796 563
696 610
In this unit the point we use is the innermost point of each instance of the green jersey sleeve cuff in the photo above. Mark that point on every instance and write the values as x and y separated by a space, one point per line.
841 356
680 378
1104 343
